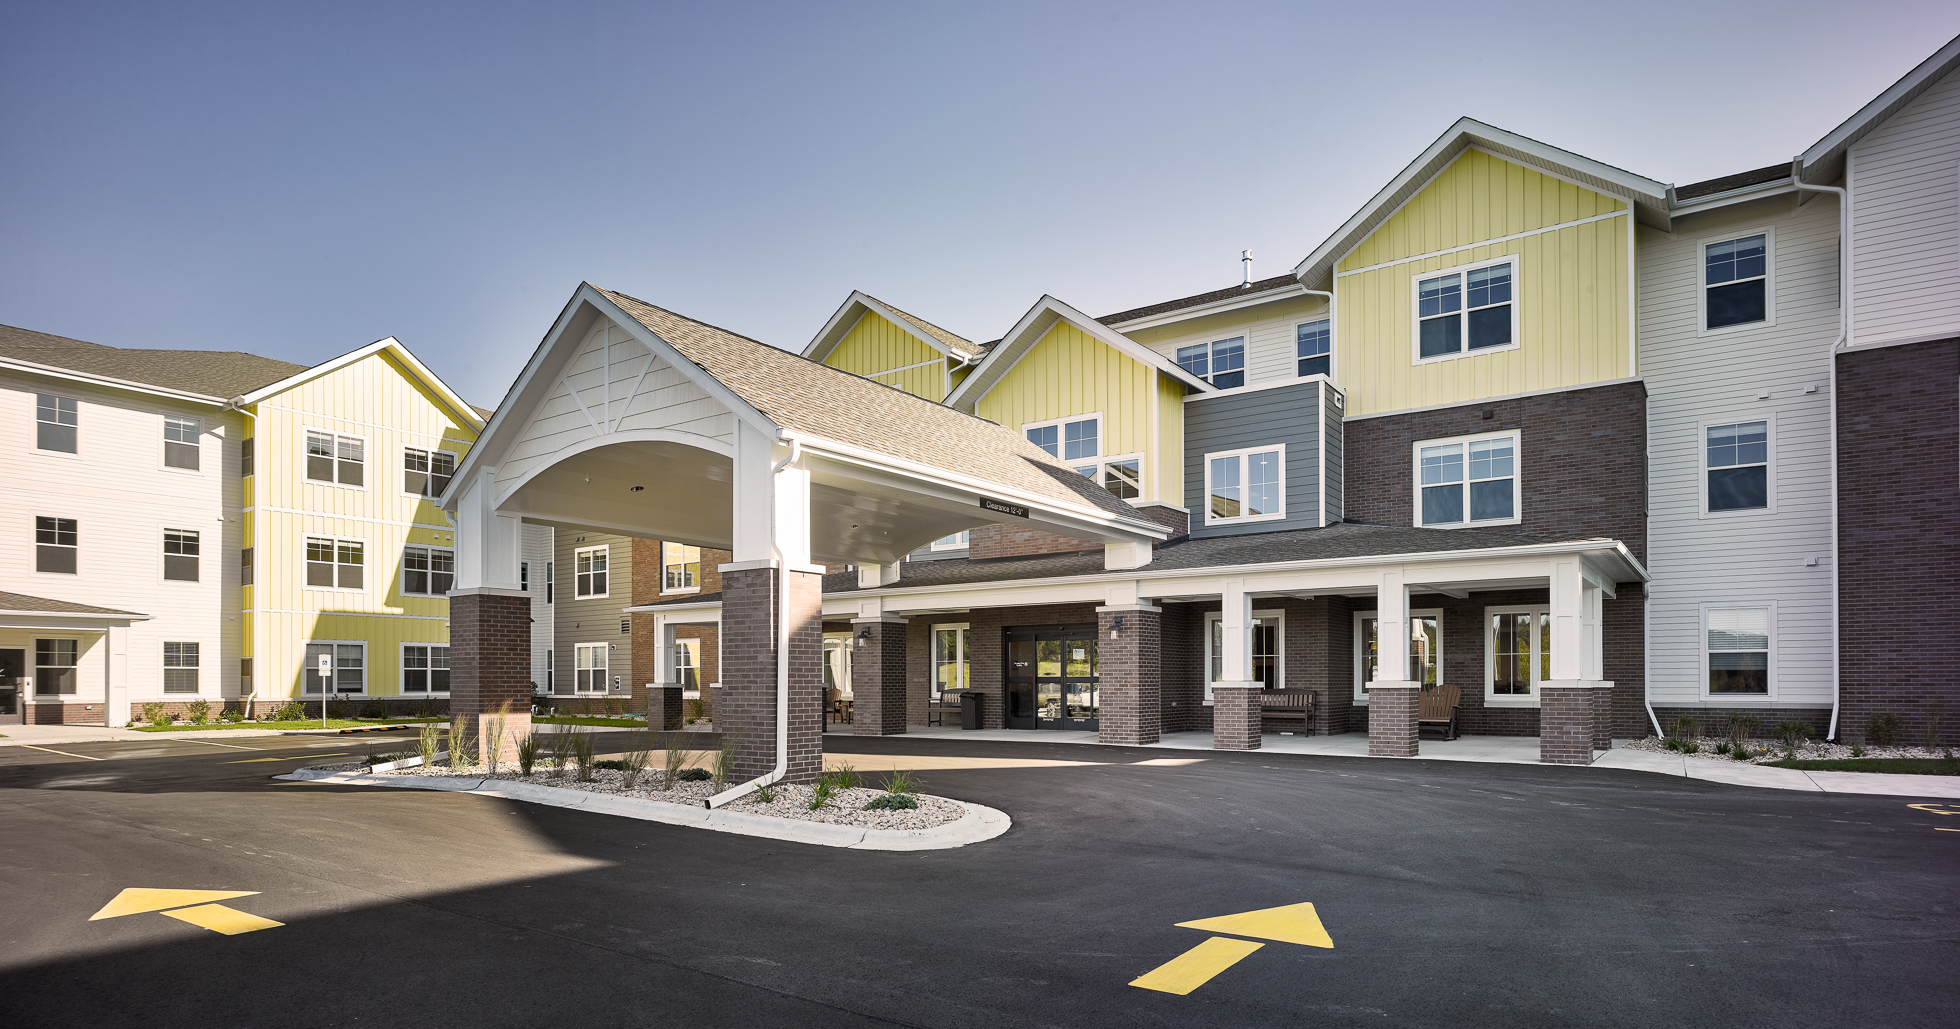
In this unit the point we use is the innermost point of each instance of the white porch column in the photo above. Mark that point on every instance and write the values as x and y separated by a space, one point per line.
115 701
1568 602
488 545
1590 603
1392 697
663 658
1235 622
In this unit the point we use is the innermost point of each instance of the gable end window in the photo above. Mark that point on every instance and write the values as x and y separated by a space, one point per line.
1736 282
180 448
1221 363
1467 481
590 572
426 473
1078 441
1738 466
180 547
55 545
1314 345
330 457
335 563
56 422
1245 485
1465 310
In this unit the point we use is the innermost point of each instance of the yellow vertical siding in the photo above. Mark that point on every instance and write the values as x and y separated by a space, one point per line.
875 345
1170 442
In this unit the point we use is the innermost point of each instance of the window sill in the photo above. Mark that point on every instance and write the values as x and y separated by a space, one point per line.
1485 524
1737 698
1767 323
335 485
680 593
334 589
1210 521
63 454
1740 512
591 596
1460 355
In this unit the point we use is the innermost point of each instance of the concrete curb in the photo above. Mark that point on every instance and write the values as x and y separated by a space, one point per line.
978 825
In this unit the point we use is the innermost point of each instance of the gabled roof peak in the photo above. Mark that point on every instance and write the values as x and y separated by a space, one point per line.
859 302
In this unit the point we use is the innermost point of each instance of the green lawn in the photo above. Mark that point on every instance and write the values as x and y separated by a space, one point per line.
310 723
1896 765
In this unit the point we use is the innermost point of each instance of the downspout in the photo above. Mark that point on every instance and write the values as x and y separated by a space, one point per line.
250 700
1830 378
781 613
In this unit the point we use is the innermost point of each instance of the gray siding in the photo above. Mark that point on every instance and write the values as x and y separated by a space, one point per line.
593 619
1336 435
1285 414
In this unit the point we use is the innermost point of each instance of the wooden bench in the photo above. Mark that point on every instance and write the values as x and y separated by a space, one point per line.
1439 706
1286 711
937 710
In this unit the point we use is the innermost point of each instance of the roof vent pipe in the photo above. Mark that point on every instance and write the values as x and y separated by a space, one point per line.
1246 257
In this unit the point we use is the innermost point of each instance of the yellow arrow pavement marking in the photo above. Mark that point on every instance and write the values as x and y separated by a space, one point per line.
1294 923
136 901
1933 808
1195 967
289 757
219 918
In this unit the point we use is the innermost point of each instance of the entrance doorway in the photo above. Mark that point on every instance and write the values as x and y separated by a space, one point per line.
1051 677
13 687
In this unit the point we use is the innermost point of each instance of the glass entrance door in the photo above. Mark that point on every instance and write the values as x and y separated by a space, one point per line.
1051 677
13 687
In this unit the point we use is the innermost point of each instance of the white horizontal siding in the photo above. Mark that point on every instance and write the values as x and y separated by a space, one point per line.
1905 184
1692 379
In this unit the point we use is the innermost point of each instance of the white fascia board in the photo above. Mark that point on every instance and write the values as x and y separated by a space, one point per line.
1215 307
460 407
41 619
846 318
104 380
463 408
1024 334
674 609
1886 104
1728 198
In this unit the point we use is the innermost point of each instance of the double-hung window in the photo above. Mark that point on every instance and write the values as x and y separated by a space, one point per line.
1519 642
54 666
428 571
180 667
335 563
1465 310
1078 441
55 545
56 422
1469 480
180 446
1314 343
426 473
687 663
591 667
1738 468
1245 485
348 660
680 568
1221 362
425 668
180 549
1736 284
550 582
589 572
1740 649
334 458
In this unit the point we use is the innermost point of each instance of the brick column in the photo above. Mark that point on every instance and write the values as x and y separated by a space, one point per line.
1602 716
1235 718
745 708
1392 712
664 707
1565 723
1129 674
878 676
490 666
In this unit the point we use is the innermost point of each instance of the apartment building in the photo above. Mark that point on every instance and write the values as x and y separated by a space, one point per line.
601 648
204 526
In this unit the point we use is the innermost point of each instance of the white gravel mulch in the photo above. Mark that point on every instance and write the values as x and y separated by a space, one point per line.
1770 750
845 807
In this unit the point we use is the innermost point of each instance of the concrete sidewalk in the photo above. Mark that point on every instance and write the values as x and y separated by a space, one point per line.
50 735
1521 750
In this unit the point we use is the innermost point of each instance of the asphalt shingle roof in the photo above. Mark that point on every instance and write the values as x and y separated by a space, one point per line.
1261 286
23 602
961 345
1722 184
212 373
804 395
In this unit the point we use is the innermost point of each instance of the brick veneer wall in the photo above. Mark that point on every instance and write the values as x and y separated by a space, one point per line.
1393 728
1176 519
1566 726
1898 536
748 691
1181 683
1235 719
878 680
1127 670
990 541
66 713
1714 721
1583 467
490 663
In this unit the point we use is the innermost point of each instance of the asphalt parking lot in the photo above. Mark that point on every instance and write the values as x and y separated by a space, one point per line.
1453 894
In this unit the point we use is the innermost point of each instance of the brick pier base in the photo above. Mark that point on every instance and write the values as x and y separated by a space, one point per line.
745 706
1392 724
1235 718
664 708
490 669
1565 724
1128 673
878 677
1602 720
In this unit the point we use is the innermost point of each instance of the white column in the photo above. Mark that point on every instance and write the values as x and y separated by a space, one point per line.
1235 655
1392 628
754 497
663 646
115 700
1568 601
1593 664
488 545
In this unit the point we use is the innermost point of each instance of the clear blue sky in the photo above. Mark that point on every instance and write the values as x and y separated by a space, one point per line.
299 180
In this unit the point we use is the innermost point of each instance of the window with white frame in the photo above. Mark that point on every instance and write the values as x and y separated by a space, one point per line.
1268 649
1466 310
1314 344
1425 648
180 667
1221 362
425 668
687 663
336 563
680 568
180 442
334 458
180 554
591 667
1245 485
428 571
1078 442
54 666
951 662
348 660
426 473
1518 641
524 576
957 541
589 572
1739 649
1736 286
1736 472
56 545
1469 480
57 421
550 582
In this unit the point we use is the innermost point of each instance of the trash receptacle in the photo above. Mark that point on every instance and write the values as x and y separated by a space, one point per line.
970 704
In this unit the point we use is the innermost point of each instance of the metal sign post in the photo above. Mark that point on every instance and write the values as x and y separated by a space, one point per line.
326 677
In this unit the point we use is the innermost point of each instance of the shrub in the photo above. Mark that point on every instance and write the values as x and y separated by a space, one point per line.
527 752
1739 753
581 747
429 742
820 799
1671 743
1690 748
1883 730
153 712
493 743
1857 751
427 709
675 759
198 711
558 747
615 707
1741 728
841 778
892 802
902 783
1686 729
338 708
765 795
374 709
694 775
1792 734
231 716
459 745
1722 747
693 709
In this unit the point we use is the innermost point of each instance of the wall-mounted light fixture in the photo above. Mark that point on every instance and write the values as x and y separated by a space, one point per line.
1116 627
863 637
